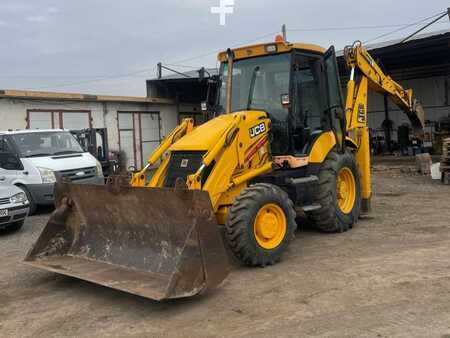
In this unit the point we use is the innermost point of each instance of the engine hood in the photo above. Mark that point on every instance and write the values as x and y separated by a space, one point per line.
59 163
205 136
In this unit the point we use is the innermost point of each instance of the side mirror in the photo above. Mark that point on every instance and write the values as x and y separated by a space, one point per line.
10 161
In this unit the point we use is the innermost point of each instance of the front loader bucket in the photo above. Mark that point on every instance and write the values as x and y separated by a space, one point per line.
155 243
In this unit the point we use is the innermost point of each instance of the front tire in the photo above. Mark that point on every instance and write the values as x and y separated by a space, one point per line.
339 194
260 224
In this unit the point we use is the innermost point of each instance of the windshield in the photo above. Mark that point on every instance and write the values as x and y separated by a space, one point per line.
46 144
258 83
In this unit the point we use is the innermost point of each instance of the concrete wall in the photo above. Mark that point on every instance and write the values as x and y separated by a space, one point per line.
13 114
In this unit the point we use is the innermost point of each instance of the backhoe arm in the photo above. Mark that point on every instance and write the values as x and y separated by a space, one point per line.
359 60
365 73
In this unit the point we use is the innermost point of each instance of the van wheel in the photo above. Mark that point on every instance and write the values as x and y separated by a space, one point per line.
32 205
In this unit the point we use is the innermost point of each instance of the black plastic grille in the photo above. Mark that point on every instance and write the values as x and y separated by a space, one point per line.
181 165
78 174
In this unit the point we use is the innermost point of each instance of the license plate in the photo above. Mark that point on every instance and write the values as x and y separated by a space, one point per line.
4 213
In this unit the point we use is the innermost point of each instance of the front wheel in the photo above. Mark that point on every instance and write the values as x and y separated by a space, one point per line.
339 194
260 224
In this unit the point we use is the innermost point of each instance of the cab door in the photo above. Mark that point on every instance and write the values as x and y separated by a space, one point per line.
335 101
308 121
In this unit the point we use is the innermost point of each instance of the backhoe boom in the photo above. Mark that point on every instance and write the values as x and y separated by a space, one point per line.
365 73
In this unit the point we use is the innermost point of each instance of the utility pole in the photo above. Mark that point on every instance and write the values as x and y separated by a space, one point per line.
159 71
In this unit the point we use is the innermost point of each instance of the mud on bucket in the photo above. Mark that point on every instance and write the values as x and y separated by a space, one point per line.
155 243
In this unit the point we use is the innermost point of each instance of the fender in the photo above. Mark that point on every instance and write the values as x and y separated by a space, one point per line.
322 147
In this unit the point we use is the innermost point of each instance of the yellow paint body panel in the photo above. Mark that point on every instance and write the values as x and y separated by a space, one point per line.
204 136
322 147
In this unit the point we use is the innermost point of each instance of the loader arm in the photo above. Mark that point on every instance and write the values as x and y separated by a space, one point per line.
185 127
365 73
231 157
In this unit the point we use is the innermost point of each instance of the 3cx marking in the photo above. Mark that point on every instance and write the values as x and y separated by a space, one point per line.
257 130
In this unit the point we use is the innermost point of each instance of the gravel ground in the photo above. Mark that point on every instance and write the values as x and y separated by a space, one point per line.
388 277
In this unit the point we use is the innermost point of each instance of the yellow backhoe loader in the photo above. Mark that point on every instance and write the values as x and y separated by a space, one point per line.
280 142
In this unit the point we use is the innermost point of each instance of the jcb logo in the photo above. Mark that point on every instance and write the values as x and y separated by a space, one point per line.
257 130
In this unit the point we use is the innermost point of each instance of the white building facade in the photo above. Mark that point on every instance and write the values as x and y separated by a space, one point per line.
135 125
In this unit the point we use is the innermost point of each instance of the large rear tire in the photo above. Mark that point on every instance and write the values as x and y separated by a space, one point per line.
260 225
339 194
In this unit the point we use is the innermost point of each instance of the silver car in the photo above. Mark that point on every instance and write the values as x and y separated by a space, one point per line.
14 207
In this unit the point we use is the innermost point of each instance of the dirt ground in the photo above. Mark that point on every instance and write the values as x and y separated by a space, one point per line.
388 277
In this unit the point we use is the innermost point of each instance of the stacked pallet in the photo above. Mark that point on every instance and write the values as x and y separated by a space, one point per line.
445 161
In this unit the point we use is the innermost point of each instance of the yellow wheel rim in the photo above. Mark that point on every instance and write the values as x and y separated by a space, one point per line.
270 226
346 190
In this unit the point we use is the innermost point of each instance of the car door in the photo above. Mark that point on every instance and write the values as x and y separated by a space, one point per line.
7 173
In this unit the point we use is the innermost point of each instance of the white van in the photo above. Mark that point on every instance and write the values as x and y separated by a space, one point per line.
34 159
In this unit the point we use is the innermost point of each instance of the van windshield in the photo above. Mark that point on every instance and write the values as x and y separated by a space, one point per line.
39 144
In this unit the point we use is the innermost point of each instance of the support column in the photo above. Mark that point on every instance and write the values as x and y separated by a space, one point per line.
387 124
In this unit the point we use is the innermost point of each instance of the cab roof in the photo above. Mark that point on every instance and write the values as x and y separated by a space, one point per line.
270 48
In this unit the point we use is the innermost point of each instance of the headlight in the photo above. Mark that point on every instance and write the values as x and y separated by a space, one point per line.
21 197
99 169
47 175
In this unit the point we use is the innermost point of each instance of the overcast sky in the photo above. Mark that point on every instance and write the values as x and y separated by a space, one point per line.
67 45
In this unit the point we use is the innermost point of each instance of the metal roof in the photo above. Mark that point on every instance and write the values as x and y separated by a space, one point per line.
54 96
422 56
390 43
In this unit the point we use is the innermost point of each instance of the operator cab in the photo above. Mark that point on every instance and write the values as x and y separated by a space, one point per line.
288 82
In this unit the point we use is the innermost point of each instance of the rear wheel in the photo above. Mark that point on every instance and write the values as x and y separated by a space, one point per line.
260 225
339 194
